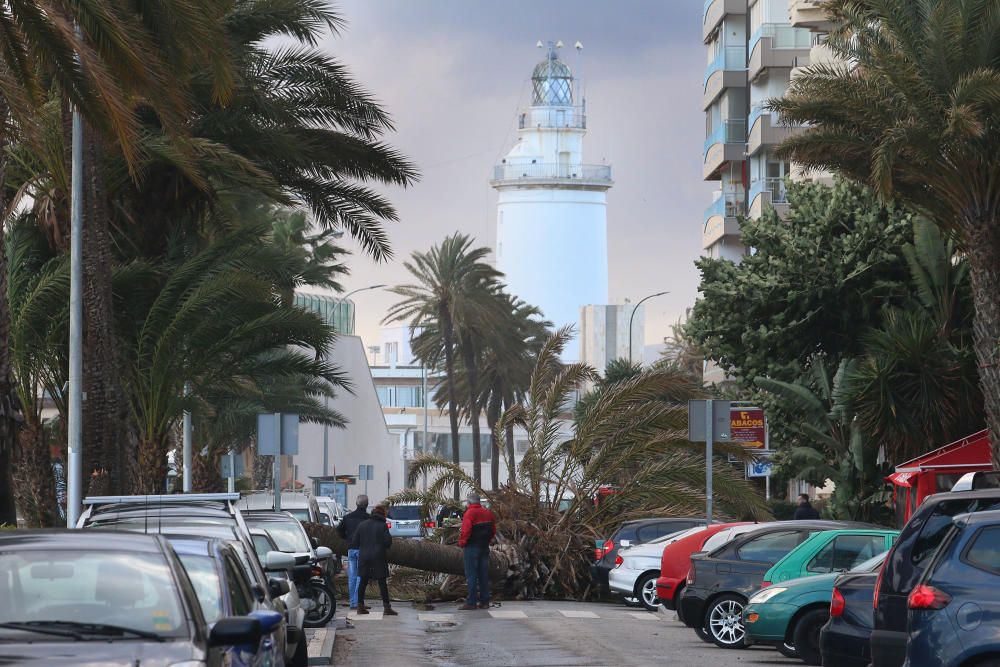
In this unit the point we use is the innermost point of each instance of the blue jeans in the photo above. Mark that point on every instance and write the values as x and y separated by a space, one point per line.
477 572
352 575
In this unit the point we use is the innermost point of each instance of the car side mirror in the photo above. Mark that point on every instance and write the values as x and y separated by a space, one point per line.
236 631
315 542
625 543
323 553
278 587
276 561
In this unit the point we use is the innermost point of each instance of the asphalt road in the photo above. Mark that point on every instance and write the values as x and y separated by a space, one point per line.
532 634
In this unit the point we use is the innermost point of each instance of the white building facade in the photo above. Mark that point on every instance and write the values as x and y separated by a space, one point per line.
611 332
552 240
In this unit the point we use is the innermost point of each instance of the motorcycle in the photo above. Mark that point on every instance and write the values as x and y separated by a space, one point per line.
317 598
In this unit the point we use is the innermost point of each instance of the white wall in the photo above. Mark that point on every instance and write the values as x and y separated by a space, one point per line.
366 438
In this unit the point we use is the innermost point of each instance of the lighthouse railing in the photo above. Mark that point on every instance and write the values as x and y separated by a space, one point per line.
552 171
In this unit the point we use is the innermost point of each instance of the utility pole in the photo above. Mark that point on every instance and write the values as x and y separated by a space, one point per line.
186 445
74 472
326 442
632 317
709 424
423 382
277 462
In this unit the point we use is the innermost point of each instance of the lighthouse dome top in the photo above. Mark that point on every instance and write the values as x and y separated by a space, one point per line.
552 82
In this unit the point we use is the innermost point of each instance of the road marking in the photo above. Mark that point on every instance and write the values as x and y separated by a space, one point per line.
578 614
508 614
436 617
370 616
643 615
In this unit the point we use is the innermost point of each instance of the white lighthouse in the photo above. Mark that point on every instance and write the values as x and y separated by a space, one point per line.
552 237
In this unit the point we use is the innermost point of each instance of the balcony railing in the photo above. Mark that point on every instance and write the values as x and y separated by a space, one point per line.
729 204
774 187
552 171
571 118
728 58
782 36
728 132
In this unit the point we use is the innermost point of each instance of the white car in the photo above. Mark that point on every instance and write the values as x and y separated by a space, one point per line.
637 568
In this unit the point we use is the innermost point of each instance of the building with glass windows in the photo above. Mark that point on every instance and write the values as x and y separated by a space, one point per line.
334 310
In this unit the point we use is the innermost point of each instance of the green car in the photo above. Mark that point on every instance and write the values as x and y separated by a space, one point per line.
791 614
830 551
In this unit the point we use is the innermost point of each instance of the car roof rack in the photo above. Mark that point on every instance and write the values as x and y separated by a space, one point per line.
162 499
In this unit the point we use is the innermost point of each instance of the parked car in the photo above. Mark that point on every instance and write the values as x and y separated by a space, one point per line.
632 533
676 561
406 520
330 511
288 533
830 551
843 641
637 568
790 615
299 504
954 607
101 598
223 589
917 542
720 582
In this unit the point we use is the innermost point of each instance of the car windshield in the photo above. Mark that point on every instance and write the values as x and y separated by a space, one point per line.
205 579
288 535
871 564
302 514
404 512
91 589
262 545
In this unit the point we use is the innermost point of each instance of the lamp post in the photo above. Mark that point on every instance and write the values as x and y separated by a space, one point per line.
360 289
632 317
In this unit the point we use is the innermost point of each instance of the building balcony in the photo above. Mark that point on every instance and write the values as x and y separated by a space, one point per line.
722 217
726 144
808 14
768 193
552 173
546 117
715 11
727 70
776 45
766 130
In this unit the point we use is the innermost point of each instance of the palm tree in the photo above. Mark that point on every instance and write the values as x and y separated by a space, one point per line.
452 284
913 114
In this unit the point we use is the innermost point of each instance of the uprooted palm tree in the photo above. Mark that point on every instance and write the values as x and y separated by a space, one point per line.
913 113
547 517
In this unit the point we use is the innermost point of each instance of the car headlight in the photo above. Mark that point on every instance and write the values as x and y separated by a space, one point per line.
766 594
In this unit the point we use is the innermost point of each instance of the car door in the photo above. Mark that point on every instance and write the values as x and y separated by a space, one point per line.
241 601
754 557
842 553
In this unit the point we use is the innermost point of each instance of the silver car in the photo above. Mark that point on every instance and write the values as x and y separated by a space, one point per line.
297 503
406 520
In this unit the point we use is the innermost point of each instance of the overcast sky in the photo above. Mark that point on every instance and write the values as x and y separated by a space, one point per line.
453 73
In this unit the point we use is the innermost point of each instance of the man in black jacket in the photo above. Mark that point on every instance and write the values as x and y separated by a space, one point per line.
805 510
348 526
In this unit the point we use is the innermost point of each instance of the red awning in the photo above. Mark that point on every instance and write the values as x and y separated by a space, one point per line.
901 478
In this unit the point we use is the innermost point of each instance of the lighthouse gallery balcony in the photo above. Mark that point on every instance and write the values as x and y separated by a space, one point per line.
551 172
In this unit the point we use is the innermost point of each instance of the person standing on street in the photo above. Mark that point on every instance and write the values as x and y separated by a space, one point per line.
346 529
372 540
478 530
805 510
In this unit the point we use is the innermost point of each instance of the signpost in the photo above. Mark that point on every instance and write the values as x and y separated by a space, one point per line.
707 421
366 473
747 426
277 435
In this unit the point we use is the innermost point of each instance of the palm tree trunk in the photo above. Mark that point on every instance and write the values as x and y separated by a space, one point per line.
471 374
511 461
152 475
206 476
492 417
101 433
448 333
983 248
34 482
10 408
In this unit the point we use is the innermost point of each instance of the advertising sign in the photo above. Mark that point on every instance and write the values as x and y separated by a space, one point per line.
747 426
761 467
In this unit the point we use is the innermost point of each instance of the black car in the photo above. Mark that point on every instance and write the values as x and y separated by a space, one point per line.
844 638
100 598
917 543
633 533
720 582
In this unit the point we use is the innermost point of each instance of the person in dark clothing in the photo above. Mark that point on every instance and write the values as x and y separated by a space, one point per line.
805 510
372 540
478 530
348 525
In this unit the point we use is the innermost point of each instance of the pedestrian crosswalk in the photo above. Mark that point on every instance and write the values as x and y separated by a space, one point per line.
525 614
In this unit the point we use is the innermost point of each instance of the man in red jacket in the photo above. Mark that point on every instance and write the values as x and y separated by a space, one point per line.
478 530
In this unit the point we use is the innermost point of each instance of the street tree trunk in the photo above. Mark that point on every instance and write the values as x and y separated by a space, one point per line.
34 481
511 461
206 475
10 406
471 374
152 477
492 417
983 249
448 332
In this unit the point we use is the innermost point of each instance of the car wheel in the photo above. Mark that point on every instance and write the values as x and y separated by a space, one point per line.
301 657
631 602
806 635
645 591
703 635
788 650
724 621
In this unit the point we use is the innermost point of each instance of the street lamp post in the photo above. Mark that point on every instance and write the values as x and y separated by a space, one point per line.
360 289
632 317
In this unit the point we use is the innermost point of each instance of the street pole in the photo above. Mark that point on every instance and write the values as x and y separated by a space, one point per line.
423 382
74 473
277 463
231 486
326 442
767 446
709 423
186 447
632 317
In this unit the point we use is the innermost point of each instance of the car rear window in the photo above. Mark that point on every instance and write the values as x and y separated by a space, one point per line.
846 552
934 530
404 512
984 552
626 533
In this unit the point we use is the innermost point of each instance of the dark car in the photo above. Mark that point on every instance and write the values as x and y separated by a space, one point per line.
908 559
633 533
844 638
720 582
954 608
100 598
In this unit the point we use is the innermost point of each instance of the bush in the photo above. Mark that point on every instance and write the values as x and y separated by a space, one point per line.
783 510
